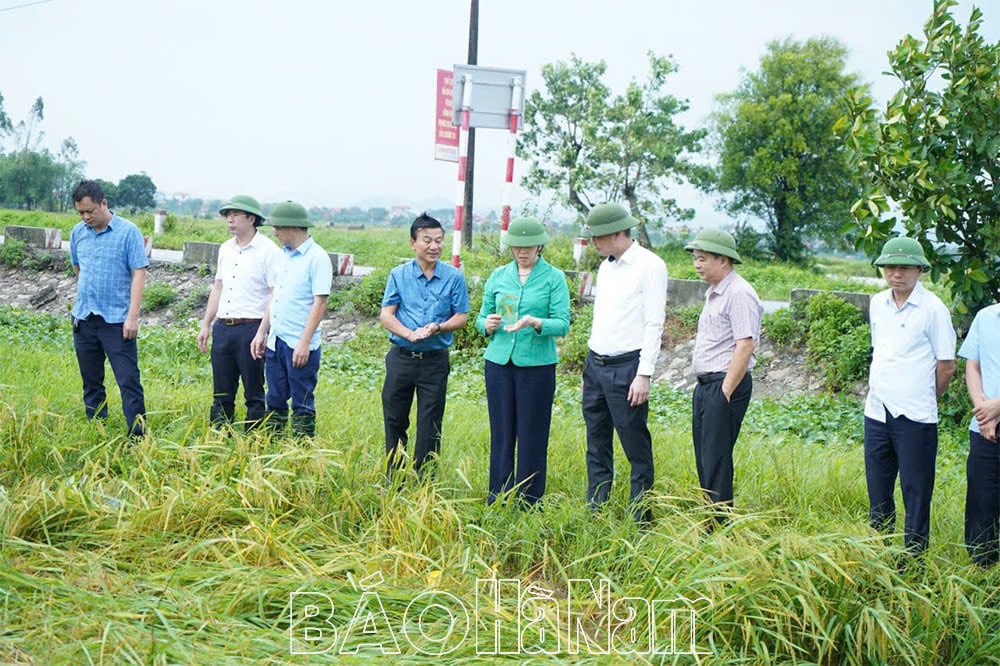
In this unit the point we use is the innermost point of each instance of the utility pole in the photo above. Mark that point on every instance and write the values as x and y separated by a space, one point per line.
470 168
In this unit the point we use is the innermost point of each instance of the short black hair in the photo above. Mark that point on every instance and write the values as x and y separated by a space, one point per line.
423 221
88 188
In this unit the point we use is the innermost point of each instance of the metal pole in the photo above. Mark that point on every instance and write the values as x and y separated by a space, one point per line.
463 182
473 59
517 89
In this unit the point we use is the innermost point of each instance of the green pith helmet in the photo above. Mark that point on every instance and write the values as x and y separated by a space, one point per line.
526 232
245 203
289 214
606 219
715 241
902 251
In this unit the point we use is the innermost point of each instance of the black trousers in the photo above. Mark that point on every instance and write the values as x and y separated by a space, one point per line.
909 449
982 500
605 411
520 406
406 373
231 362
94 340
715 426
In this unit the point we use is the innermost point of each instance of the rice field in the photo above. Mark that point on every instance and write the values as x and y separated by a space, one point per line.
196 546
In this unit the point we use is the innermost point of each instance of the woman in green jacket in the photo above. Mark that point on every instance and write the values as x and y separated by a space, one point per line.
525 308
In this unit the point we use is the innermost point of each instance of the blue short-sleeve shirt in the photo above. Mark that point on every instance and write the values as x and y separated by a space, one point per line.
422 301
106 260
301 274
983 344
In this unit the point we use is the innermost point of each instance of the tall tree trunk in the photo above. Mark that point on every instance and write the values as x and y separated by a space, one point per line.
639 231
576 202
787 245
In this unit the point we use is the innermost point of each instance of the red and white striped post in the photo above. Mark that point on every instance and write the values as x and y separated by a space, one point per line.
463 160
515 106
579 250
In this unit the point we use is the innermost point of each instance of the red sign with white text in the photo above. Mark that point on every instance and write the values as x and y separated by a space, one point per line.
445 134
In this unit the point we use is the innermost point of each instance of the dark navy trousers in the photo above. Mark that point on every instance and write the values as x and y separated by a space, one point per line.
231 362
982 500
286 382
94 340
520 407
908 449
606 410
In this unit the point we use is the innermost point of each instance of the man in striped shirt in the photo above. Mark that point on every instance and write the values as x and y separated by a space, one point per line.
728 333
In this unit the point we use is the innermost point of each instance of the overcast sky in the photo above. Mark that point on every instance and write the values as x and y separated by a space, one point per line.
332 102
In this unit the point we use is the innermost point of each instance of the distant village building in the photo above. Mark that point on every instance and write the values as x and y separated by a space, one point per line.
400 210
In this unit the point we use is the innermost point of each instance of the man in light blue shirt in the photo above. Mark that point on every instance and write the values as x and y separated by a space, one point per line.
107 255
982 377
289 332
425 300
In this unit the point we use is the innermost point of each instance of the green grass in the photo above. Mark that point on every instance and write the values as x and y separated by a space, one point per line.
185 547
373 246
846 267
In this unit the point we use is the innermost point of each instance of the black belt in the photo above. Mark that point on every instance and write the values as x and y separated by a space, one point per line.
601 359
409 353
236 321
710 377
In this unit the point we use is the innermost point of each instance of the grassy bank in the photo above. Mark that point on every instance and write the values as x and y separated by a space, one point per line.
186 547
384 247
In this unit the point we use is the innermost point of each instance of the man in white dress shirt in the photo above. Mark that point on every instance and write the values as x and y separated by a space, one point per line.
629 310
244 278
913 359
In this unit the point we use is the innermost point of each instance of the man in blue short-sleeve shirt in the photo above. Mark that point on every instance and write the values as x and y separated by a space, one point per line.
981 348
108 257
288 337
425 300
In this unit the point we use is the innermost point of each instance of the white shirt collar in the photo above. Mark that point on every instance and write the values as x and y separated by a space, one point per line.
916 297
628 256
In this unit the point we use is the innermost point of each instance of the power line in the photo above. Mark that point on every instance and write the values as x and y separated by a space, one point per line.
27 4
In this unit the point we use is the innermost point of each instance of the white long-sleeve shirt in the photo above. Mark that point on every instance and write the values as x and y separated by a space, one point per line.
630 306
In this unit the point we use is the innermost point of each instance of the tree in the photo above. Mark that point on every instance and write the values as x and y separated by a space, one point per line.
71 169
935 155
595 147
136 192
193 206
31 176
110 191
780 160
28 178
25 137
6 127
